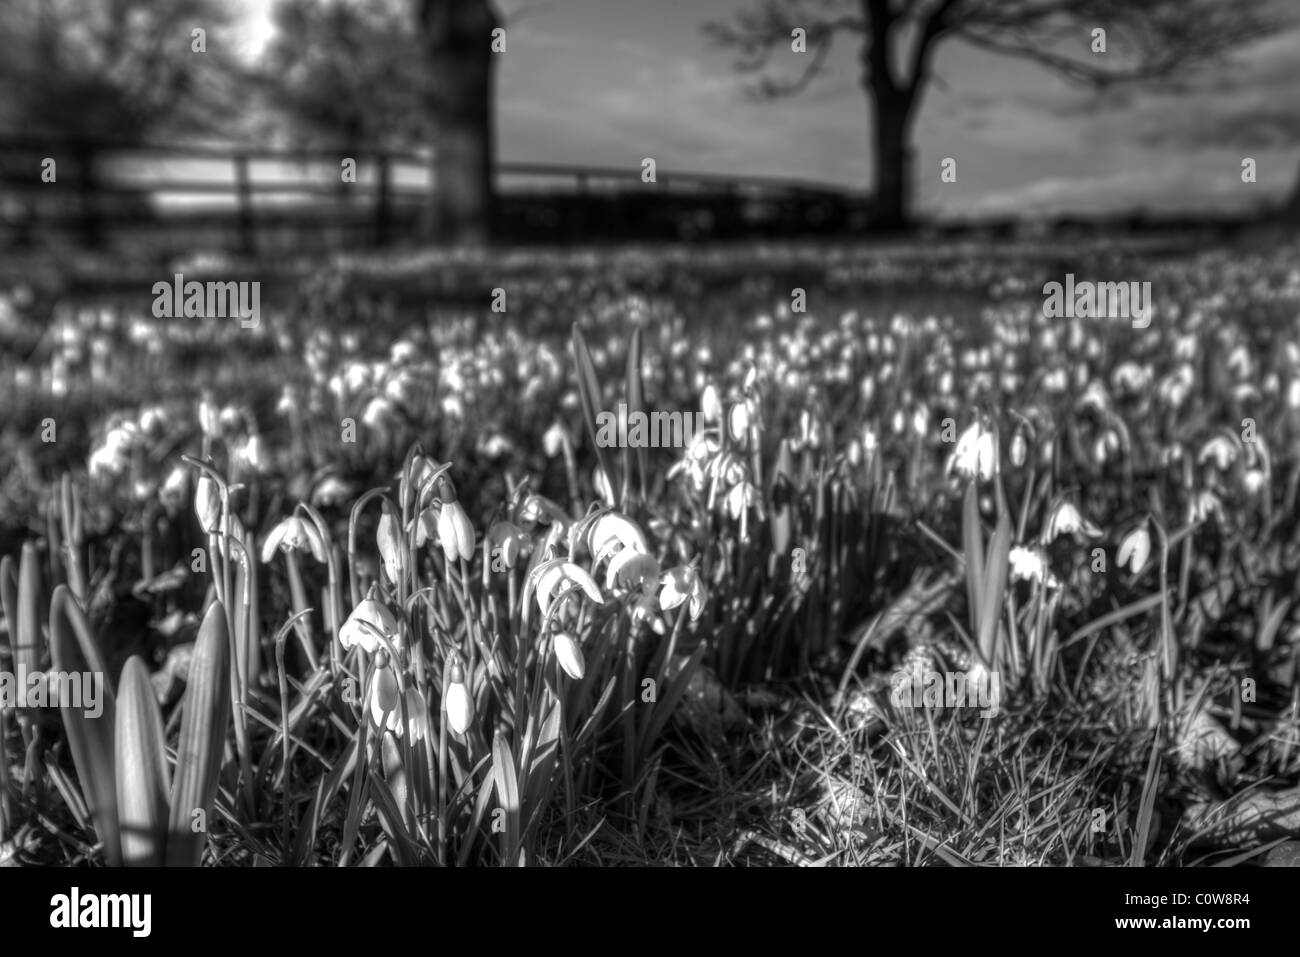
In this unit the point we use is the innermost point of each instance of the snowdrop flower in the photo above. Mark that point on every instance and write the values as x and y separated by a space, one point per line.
1030 564
368 617
209 420
455 532
1177 386
1094 397
173 491
741 497
569 654
332 490
553 440
1203 505
386 699
153 419
1056 381
921 420
1221 449
632 570
1239 361
456 700
207 506
1105 446
113 454
613 531
417 715
976 454
739 421
1019 448
557 578
1135 549
402 351
251 453
681 585
385 706
293 534
1130 378
389 543
508 543
230 418
645 611
377 414
711 404
1066 520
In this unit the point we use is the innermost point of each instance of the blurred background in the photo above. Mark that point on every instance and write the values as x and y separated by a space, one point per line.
215 125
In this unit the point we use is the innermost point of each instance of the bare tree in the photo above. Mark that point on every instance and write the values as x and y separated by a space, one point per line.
1152 40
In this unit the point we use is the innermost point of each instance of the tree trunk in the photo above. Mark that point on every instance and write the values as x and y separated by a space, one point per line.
1291 211
892 128
458 41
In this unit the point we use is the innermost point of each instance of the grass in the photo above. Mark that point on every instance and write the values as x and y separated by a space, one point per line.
553 653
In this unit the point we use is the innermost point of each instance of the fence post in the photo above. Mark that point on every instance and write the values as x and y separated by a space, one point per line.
382 200
88 189
244 197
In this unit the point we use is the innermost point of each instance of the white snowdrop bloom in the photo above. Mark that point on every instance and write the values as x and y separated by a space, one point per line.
1222 450
976 454
1065 519
1030 564
1204 505
1135 549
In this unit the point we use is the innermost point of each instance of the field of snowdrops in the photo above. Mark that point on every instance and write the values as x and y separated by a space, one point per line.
365 590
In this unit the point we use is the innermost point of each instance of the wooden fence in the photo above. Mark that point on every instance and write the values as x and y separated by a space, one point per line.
251 196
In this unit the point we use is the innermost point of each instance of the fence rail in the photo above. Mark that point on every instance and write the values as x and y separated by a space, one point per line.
133 186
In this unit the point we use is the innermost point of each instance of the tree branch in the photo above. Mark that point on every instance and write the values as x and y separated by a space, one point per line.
758 33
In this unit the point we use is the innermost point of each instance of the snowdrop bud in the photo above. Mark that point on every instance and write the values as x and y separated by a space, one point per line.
207 504
459 705
388 542
553 440
1019 448
172 493
455 532
739 421
208 418
254 453
1135 549
711 404
569 654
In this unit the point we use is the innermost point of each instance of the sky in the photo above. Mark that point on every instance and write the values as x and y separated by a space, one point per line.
609 82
